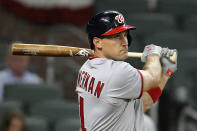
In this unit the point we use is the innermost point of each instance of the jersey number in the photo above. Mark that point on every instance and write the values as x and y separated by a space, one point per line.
82 114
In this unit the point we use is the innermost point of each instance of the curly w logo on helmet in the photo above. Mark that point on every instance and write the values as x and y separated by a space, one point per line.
119 18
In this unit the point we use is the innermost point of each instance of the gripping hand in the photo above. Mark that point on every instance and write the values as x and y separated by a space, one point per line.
168 67
151 49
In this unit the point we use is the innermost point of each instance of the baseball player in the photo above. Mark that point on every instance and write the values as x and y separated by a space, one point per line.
113 95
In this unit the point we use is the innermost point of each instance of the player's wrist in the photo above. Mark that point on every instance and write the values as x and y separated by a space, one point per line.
153 56
168 72
168 68
152 59
155 93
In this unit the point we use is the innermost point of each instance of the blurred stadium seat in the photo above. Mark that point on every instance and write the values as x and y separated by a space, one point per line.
3 53
9 105
190 21
148 24
36 124
188 120
32 93
187 75
70 124
124 7
174 40
55 110
178 7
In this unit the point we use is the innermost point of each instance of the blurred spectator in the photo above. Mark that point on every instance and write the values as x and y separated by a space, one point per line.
16 72
13 120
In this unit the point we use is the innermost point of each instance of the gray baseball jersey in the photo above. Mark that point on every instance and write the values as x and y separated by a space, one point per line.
110 96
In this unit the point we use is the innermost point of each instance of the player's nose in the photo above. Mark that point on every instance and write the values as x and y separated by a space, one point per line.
124 40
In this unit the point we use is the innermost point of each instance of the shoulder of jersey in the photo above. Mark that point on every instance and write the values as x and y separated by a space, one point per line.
121 65
115 65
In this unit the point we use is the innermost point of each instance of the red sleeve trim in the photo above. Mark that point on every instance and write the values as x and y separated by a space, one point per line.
142 84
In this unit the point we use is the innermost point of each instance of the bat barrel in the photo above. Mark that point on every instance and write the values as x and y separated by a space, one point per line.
48 50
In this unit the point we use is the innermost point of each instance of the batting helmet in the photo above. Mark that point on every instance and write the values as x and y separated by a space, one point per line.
107 23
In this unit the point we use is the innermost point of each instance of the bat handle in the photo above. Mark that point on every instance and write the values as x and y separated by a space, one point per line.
172 58
135 54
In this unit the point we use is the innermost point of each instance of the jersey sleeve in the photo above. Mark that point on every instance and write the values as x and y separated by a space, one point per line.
126 82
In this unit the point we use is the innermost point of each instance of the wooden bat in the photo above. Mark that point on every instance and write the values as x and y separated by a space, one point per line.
62 51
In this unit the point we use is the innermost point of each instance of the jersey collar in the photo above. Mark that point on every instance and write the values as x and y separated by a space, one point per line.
93 57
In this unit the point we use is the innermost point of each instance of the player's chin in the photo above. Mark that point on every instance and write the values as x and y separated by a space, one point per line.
124 56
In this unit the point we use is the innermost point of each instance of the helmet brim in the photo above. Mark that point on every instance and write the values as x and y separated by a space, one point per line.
118 30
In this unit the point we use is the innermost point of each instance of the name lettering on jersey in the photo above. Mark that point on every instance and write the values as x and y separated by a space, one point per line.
88 83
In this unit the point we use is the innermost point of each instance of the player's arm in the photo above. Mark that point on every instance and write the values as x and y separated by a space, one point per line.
147 98
151 96
152 69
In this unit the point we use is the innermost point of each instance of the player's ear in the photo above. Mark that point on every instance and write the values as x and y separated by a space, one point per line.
97 42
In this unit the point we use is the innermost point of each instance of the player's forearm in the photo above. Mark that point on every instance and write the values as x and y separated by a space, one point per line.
153 69
164 80
147 99
152 95
153 66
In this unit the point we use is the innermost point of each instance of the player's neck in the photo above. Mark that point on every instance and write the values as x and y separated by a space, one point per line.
99 54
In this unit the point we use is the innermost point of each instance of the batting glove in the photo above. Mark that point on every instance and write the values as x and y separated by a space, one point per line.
168 67
166 52
151 49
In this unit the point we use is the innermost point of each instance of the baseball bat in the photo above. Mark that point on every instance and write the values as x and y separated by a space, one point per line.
62 51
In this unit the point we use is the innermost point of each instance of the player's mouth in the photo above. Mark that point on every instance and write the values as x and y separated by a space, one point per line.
124 51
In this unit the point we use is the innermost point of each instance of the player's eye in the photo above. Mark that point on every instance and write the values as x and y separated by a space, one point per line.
116 36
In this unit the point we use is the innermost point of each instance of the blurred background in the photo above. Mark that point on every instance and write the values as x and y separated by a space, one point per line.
43 88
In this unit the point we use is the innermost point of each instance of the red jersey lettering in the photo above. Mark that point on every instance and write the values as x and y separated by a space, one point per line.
99 88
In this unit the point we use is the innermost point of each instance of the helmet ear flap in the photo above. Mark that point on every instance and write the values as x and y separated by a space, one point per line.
129 38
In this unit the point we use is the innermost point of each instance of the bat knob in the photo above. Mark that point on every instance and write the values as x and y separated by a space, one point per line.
173 58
